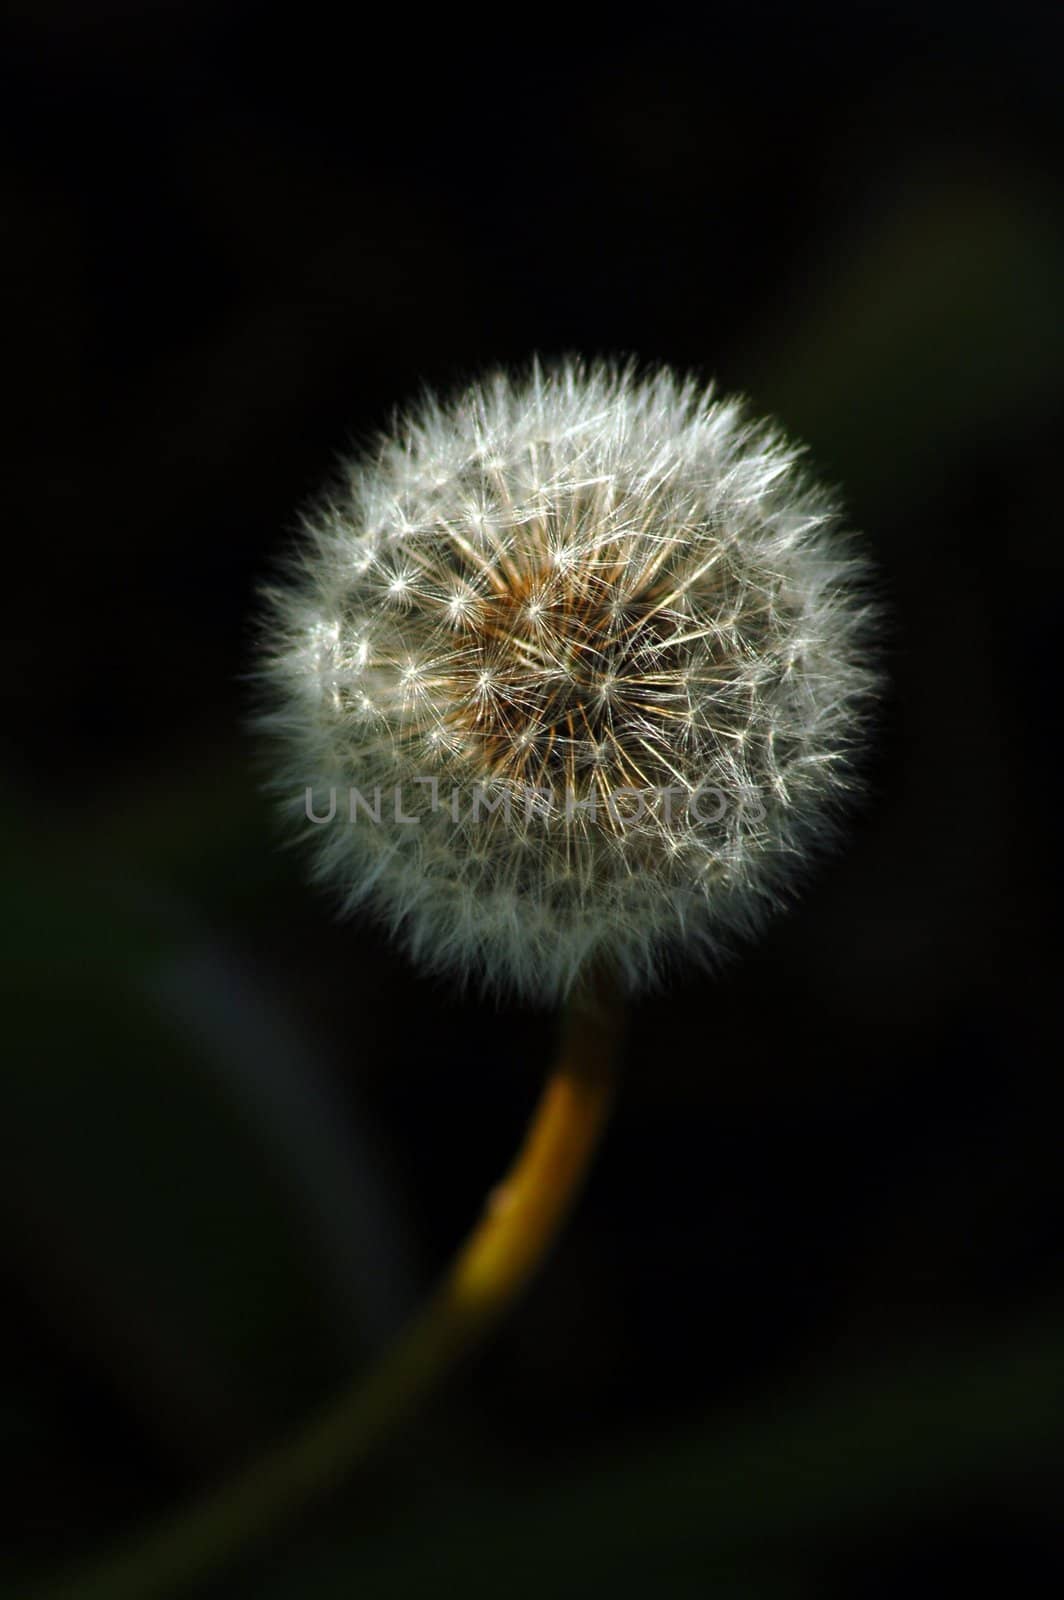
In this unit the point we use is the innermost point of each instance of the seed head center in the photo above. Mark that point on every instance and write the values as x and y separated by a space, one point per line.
577 679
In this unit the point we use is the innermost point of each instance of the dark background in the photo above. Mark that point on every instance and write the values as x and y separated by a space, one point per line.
805 1335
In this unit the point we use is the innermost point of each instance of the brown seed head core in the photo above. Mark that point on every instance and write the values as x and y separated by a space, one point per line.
559 679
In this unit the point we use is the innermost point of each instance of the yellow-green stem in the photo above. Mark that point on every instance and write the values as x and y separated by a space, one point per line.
520 1220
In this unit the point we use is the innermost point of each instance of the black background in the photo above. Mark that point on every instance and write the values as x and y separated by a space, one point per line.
805 1335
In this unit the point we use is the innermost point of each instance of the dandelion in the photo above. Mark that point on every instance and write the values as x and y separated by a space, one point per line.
615 625
610 632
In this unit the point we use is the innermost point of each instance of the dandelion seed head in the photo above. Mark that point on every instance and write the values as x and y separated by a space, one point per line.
590 598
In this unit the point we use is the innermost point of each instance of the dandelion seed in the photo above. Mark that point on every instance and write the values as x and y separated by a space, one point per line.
610 584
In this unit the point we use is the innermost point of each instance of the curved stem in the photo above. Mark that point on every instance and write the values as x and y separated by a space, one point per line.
520 1221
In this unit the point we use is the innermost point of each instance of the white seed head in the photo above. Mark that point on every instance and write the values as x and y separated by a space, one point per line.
594 648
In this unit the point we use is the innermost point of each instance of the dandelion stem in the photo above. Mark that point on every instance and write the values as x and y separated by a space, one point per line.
520 1220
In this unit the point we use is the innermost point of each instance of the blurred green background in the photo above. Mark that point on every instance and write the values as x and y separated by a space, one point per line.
805 1336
